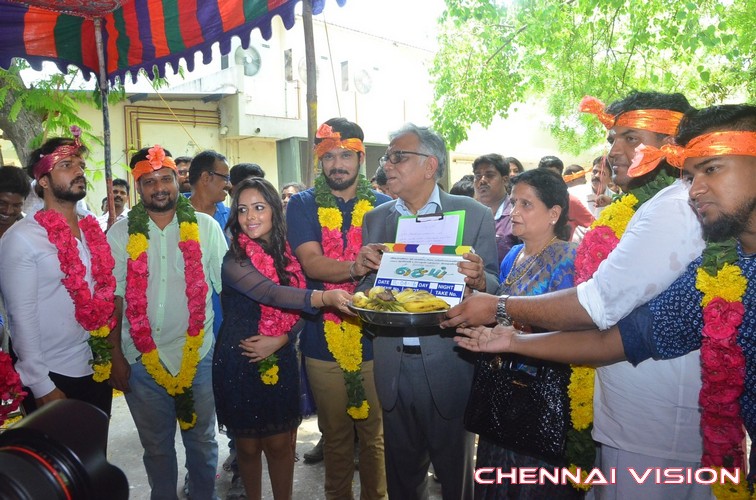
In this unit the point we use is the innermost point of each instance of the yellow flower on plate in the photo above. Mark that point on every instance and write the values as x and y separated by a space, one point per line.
330 218
729 284
136 245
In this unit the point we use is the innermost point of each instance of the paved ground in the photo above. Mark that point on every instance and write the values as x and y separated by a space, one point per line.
125 452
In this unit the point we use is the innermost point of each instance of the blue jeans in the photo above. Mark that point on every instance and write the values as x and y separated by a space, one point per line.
155 417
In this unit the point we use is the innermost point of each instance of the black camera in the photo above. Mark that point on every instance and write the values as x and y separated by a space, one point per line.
58 452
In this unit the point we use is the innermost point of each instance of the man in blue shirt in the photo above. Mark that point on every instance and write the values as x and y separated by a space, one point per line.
325 232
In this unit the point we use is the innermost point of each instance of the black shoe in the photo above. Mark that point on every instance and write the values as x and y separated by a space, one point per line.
315 455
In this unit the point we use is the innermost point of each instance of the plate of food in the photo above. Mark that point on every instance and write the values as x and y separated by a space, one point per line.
408 308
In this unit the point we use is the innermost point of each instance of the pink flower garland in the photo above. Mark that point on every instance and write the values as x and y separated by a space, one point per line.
92 310
11 392
333 247
136 295
596 246
274 321
723 376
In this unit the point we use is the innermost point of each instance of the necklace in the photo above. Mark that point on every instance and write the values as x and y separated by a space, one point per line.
274 321
137 274
510 280
93 311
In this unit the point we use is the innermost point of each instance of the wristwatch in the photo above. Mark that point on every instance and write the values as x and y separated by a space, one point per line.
502 317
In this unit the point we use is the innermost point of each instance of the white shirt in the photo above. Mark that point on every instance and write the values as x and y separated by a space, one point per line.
167 307
432 206
103 219
651 409
45 334
662 238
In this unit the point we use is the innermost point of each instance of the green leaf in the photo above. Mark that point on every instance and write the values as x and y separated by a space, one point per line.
557 52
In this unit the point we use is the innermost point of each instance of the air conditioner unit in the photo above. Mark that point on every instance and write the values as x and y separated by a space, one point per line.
302 70
249 58
363 81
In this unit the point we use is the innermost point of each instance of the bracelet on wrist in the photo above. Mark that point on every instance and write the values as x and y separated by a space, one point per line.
351 273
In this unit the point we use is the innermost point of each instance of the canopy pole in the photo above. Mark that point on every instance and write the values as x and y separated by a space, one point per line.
105 118
308 174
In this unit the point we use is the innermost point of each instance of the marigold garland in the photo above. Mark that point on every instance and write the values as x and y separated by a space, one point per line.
723 285
344 334
274 321
180 385
93 311
731 491
595 247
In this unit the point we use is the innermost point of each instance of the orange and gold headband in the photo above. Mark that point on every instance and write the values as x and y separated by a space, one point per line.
661 121
729 143
332 140
156 159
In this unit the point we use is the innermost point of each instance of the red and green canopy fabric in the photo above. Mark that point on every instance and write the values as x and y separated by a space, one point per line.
137 34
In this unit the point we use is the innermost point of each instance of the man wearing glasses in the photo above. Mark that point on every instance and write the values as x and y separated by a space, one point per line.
210 181
423 382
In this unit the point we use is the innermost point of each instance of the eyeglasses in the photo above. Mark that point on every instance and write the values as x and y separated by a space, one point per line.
396 157
227 178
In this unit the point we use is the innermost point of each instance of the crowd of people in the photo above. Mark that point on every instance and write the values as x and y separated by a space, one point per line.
205 314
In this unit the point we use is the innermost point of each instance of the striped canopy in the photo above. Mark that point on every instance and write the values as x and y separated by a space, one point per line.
137 34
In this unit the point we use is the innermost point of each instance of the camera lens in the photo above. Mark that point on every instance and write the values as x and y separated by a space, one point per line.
58 452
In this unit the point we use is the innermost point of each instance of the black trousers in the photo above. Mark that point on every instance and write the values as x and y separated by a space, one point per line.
99 394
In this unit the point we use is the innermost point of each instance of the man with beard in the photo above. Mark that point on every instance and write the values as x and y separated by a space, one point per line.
167 260
711 306
620 266
325 232
182 164
120 197
50 262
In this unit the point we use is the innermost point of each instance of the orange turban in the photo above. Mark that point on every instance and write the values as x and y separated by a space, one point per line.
156 159
332 140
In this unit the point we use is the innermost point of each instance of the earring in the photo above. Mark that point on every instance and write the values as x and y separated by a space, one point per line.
553 222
